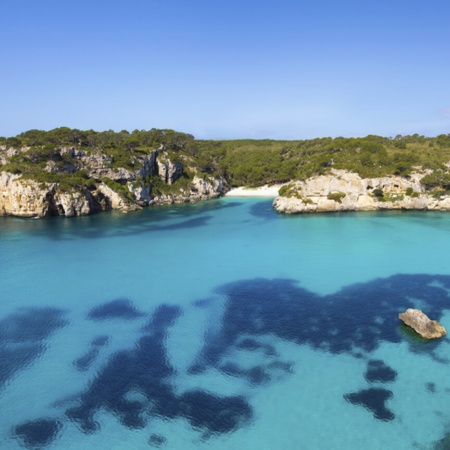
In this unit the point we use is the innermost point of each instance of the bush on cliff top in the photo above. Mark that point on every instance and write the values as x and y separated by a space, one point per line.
247 162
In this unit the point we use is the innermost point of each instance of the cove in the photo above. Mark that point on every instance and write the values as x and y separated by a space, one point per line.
223 325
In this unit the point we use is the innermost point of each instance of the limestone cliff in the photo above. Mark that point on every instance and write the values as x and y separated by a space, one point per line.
24 198
169 171
344 191
105 184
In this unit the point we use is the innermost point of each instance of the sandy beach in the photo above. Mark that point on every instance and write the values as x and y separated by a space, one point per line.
263 191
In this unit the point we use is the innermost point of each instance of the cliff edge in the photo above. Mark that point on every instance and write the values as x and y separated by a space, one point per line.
344 191
90 182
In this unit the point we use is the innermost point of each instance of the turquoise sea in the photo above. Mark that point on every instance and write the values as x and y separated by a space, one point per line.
223 325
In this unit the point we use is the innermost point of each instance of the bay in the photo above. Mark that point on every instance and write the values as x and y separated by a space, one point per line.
223 325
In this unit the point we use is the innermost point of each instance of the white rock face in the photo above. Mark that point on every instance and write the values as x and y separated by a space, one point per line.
148 166
344 191
200 189
71 204
168 170
207 187
27 198
141 193
24 198
7 153
114 200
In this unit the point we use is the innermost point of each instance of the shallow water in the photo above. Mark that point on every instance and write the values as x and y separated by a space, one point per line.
223 325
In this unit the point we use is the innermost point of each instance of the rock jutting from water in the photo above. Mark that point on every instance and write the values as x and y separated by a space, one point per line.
421 324
345 191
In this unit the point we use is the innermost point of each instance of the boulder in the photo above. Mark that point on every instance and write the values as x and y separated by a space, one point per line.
421 324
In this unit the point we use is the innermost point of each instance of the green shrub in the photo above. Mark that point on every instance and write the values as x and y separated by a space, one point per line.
336 196
378 193
437 194
285 189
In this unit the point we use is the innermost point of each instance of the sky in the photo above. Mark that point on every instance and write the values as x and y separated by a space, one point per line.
230 69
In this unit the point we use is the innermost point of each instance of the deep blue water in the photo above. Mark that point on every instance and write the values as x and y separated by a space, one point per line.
223 325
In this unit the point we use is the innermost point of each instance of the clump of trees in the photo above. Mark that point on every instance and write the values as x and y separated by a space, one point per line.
241 162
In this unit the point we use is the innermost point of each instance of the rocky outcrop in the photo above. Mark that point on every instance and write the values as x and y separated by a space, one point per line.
7 153
169 171
345 191
24 198
140 192
27 198
100 166
207 187
421 324
69 204
199 189
148 165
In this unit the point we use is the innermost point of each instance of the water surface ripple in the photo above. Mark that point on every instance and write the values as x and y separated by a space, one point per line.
223 325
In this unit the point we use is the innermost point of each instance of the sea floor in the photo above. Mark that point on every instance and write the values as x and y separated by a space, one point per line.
223 325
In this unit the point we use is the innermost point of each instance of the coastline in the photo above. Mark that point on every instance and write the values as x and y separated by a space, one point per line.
262 191
340 190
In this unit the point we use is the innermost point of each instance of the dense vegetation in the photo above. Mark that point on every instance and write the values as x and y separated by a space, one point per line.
240 162
120 149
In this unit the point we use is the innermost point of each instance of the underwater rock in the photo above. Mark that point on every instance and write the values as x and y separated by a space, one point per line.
121 308
156 440
421 324
378 371
100 341
442 444
38 433
85 362
373 399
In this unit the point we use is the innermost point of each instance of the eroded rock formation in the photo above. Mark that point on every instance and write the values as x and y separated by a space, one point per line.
345 191
421 324
113 187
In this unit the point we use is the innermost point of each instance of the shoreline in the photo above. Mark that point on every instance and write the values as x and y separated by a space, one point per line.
262 191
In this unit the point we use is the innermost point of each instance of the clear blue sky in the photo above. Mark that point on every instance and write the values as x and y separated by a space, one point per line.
227 69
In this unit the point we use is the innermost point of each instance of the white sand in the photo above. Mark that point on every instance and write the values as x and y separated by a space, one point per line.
263 191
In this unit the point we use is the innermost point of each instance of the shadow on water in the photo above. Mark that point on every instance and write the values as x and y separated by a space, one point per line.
374 399
37 434
137 384
145 369
358 317
23 335
121 308
114 223
264 210
355 320
83 363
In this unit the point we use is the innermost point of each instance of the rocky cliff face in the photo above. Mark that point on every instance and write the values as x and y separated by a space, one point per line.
169 171
344 191
126 190
23 198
